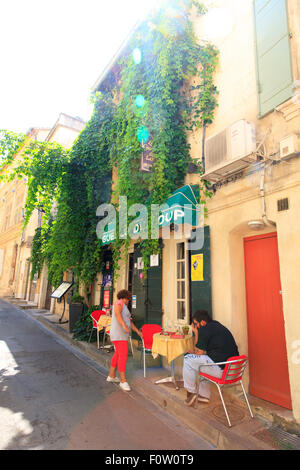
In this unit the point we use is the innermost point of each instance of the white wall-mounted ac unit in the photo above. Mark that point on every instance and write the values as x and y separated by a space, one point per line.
230 151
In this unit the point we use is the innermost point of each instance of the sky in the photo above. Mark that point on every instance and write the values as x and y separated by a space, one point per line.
52 53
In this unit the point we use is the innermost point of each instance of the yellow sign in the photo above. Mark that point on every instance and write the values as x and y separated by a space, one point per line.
197 267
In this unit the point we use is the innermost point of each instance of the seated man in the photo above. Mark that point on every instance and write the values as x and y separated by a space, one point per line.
213 343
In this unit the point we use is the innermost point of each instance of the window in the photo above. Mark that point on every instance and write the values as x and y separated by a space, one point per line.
7 218
181 281
18 215
273 57
1 260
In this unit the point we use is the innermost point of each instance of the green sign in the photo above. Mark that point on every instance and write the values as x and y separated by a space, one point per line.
182 207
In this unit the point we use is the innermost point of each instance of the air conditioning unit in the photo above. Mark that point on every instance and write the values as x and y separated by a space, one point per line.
230 151
289 146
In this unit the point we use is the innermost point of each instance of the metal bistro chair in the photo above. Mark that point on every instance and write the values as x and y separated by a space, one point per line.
233 373
147 340
96 314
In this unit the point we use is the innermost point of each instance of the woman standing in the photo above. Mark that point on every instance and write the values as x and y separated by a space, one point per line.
121 324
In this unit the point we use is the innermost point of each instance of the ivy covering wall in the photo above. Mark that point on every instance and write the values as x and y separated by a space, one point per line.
160 90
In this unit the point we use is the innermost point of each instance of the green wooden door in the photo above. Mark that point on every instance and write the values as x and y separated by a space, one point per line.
154 293
147 292
200 291
139 291
273 57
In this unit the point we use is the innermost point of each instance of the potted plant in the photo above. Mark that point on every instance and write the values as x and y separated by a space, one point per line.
76 309
83 328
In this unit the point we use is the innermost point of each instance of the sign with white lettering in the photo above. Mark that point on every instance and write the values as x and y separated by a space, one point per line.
147 159
154 260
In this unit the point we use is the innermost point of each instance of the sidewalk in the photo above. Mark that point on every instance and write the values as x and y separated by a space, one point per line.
267 431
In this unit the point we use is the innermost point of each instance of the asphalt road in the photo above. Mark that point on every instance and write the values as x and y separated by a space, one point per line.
53 397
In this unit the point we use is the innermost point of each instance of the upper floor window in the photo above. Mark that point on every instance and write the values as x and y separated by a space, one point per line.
273 56
182 283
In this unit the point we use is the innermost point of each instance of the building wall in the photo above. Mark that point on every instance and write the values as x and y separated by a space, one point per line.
16 243
236 203
230 26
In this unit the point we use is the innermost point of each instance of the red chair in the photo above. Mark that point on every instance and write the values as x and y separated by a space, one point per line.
233 373
96 314
148 332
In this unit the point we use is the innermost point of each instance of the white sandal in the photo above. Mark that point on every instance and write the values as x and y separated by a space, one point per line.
113 379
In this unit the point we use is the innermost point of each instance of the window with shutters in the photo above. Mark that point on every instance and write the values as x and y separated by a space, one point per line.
182 284
7 218
1 260
273 56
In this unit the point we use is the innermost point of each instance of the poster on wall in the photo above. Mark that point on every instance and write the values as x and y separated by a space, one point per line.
140 263
107 280
154 260
197 267
133 301
106 299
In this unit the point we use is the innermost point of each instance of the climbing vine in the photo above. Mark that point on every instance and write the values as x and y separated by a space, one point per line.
73 243
167 89
160 90
10 144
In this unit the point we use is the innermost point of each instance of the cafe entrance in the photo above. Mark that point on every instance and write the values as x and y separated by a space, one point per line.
268 366
146 305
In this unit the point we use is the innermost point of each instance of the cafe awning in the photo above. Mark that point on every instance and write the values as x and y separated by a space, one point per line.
181 207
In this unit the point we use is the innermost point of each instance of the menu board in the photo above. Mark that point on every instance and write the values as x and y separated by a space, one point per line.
61 290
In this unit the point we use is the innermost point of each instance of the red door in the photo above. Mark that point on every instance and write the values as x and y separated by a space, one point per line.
268 368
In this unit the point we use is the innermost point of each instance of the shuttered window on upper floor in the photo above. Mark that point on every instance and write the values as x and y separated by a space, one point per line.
273 56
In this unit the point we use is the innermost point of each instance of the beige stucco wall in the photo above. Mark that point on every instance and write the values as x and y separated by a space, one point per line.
234 204
16 243
64 135
229 212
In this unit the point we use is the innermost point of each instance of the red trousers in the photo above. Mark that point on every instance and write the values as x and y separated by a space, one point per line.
119 359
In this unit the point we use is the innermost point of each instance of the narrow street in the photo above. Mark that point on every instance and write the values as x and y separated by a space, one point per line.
54 398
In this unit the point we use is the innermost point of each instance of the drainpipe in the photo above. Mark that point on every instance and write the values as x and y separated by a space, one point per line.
203 147
265 220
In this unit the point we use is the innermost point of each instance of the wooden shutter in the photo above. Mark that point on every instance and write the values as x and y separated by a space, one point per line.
273 56
148 292
200 291
154 293
1 260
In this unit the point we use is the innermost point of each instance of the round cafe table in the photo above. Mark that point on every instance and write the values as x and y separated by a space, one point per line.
171 348
104 322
